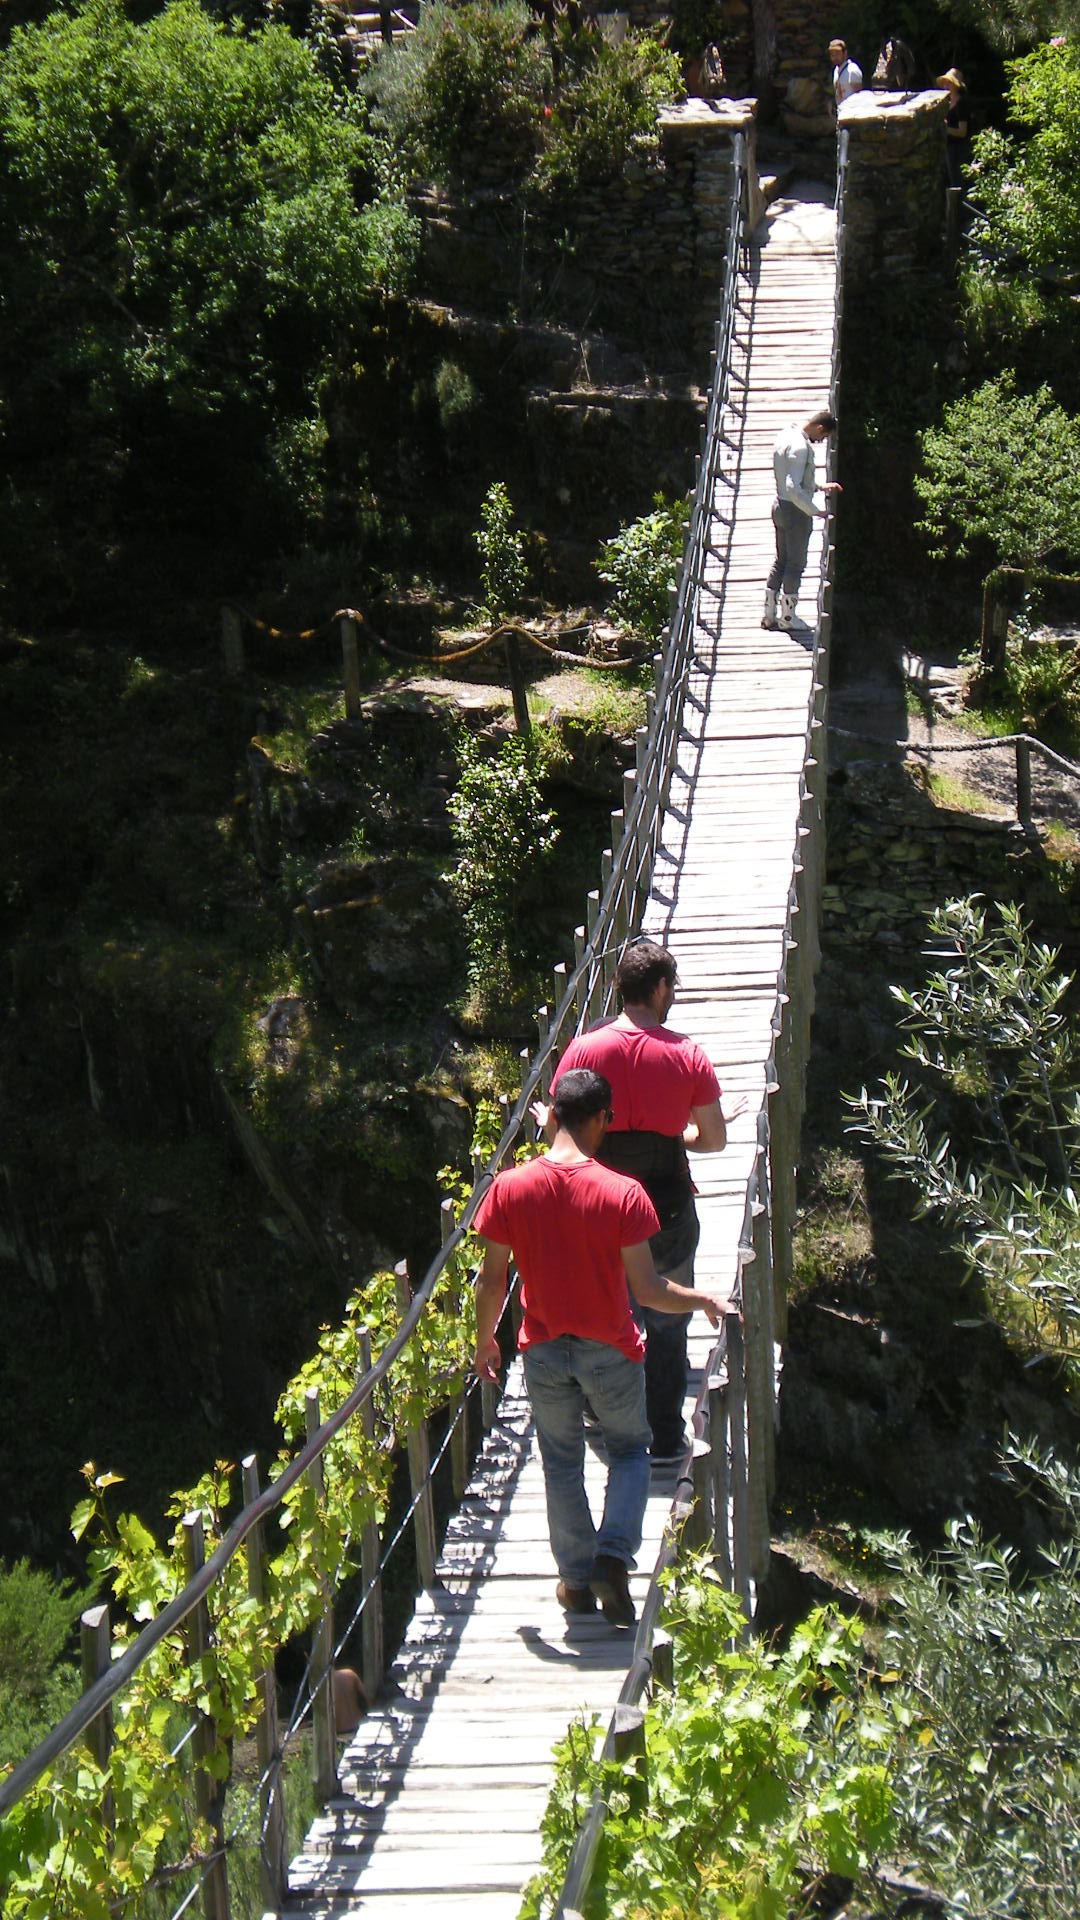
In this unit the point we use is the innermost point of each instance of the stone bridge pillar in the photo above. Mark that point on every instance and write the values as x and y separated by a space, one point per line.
895 200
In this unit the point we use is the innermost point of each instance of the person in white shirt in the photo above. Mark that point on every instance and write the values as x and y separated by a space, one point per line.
792 513
846 75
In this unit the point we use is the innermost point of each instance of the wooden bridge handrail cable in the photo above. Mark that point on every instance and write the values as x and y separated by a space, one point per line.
721 1497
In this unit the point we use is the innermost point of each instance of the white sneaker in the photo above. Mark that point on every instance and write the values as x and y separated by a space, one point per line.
768 617
785 611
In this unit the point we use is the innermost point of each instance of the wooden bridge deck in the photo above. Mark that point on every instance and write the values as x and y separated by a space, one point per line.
443 1787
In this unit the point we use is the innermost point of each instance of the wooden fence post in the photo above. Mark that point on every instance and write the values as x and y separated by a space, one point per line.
628 1745
721 1480
232 642
96 1642
458 1404
740 1525
371 1620
350 662
272 1861
209 1795
516 673
323 1734
1023 780
663 1662
419 1451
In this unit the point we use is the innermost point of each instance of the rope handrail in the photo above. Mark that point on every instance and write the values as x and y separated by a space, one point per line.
985 744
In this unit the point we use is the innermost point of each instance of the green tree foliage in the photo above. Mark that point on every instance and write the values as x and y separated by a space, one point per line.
1007 25
466 89
502 553
1002 475
1027 183
478 90
38 1680
984 1774
505 837
993 1042
179 235
641 562
605 112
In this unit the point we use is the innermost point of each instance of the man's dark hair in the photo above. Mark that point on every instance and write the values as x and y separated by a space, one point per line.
578 1095
823 419
642 967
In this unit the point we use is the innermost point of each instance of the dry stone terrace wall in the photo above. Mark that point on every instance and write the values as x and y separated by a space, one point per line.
640 258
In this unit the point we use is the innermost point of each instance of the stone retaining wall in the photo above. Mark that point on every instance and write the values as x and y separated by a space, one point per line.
640 258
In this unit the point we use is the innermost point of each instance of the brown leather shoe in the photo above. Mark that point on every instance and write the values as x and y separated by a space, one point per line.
575 1599
610 1582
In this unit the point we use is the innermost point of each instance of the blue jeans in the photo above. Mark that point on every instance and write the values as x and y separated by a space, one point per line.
560 1374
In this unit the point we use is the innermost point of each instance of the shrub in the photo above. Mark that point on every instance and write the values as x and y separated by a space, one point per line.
641 562
502 551
505 838
466 88
1002 473
37 1681
605 113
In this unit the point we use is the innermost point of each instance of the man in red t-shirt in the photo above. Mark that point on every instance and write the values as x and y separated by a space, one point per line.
580 1234
665 1098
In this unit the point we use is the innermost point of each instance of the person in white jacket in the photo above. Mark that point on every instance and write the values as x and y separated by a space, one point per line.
792 513
846 73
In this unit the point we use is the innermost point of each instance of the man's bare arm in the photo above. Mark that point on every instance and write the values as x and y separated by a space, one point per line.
490 1298
650 1289
707 1129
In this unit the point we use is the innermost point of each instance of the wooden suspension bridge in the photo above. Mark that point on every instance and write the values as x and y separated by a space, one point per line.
443 1786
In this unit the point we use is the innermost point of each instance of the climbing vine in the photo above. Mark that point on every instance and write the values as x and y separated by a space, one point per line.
88 1838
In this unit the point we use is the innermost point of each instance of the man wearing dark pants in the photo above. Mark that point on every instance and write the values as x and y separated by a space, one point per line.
793 511
665 1098
580 1236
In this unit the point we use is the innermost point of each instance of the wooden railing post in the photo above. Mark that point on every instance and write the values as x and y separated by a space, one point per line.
95 1642
740 1525
628 1744
458 1404
419 1451
273 1866
209 1795
371 1620
323 1733
232 642
350 664
721 1479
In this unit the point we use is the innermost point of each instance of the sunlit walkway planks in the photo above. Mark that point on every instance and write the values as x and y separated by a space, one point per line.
443 1787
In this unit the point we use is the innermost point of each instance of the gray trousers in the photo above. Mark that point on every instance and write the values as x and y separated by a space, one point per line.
792 539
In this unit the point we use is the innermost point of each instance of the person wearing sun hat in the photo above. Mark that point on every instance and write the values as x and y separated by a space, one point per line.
957 135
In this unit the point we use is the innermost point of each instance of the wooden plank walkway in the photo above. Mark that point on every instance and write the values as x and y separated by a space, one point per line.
443 1787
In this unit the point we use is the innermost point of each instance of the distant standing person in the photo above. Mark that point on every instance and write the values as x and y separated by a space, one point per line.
846 75
580 1237
899 65
665 1099
957 126
792 513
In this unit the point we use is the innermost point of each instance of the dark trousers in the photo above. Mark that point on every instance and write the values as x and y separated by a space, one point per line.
667 1371
792 539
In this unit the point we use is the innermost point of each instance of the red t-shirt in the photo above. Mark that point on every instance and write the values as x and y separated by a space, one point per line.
656 1076
567 1225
